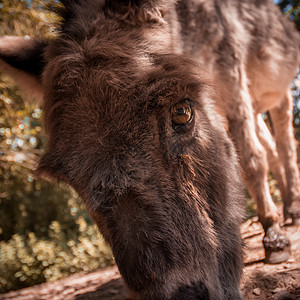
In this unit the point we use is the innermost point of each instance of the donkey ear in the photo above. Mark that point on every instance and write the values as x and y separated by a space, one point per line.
141 10
22 59
50 169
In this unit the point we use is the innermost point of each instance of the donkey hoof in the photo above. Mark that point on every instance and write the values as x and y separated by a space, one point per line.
277 246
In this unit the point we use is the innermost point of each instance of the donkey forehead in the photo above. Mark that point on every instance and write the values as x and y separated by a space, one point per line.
117 80
100 109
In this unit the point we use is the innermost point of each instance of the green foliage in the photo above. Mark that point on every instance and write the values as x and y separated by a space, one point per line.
28 259
23 17
292 9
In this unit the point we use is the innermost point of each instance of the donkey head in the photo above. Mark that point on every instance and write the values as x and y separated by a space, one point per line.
130 125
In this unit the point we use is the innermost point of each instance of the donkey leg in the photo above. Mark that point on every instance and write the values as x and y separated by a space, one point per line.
253 158
275 164
284 133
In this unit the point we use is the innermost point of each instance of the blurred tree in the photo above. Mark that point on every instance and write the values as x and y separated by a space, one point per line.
21 137
296 96
292 9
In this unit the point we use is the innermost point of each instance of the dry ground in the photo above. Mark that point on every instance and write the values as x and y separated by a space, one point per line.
260 281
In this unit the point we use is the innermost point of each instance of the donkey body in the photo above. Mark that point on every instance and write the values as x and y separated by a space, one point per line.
252 53
136 94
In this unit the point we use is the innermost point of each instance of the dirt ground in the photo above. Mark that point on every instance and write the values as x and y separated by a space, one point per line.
260 281
264 281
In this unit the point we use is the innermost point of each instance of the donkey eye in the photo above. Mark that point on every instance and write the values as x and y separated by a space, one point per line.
181 114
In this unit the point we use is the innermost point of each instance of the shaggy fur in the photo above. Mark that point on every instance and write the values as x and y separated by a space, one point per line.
167 199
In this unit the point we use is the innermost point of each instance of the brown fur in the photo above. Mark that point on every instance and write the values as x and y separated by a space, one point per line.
168 200
144 184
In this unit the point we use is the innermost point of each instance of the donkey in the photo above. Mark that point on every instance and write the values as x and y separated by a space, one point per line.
138 95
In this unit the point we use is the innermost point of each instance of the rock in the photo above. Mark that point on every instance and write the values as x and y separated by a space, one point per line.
282 295
257 291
